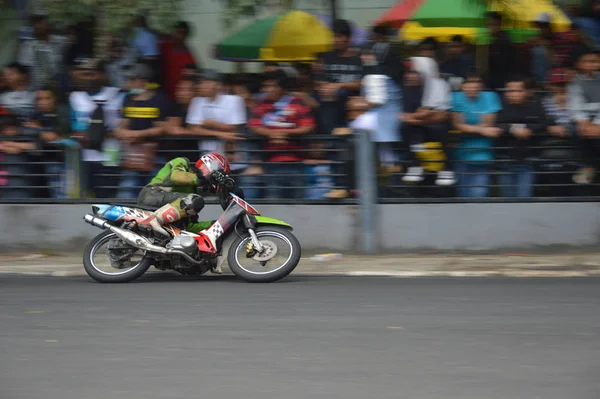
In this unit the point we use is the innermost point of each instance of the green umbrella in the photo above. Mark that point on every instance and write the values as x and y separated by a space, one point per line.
451 13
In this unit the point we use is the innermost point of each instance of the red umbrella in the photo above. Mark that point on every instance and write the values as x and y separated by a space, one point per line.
397 15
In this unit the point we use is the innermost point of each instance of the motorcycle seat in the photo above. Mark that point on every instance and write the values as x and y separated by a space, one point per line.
138 206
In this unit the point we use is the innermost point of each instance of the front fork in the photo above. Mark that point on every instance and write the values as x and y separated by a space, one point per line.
254 246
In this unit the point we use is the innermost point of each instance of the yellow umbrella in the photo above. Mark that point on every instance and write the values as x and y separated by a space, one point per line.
413 31
524 13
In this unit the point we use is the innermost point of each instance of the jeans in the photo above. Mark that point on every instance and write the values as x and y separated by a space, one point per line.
131 183
517 181
252 185
55 179
284 181
473 180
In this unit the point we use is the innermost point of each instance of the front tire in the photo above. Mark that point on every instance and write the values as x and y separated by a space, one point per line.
118 277
264 232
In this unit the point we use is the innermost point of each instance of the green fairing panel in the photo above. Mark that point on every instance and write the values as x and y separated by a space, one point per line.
268 220
199 226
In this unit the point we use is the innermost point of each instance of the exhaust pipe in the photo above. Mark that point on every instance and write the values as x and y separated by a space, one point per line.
137 240
129 237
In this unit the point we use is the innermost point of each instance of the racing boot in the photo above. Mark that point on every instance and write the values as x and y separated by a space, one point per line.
173 212
166 214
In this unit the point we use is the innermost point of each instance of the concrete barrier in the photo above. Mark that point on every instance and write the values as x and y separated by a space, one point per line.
402 228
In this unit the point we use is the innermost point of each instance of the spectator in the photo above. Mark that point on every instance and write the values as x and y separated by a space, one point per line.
91 125
119 63
590 21
474 115
549 49
280 118
17 98
387 55
145 47
584 103
426 127
177 127
215 115
175 56
380 106
52 123
43 55
522 121
339 75
457 63
501 60
143 114
18 153
557 158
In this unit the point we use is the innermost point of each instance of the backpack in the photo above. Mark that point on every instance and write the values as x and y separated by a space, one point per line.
96 130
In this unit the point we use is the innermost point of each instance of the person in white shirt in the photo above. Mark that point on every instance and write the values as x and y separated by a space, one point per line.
217 118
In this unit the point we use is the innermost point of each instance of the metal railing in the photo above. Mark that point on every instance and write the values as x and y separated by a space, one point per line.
348 164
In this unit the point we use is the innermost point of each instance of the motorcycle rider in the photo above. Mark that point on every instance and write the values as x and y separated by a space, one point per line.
174 188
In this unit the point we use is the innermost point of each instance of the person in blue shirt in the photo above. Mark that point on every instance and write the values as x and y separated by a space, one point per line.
474 115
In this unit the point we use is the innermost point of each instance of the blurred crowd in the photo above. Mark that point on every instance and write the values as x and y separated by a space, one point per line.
532 119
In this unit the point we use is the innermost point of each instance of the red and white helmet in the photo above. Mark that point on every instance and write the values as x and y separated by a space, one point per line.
211 162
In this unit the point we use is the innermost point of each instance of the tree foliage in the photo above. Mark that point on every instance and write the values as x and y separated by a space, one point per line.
117 14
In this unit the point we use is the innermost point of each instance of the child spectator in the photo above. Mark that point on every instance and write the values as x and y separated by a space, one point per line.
18 154
280 118
521 120
17 98
51 121
474 115
584 103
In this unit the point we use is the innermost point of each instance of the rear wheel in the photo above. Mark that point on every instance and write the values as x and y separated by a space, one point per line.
280 257
107 259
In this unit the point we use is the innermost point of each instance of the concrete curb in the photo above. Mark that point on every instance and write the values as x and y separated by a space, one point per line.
401 266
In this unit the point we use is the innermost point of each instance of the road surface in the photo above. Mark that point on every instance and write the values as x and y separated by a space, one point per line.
306 337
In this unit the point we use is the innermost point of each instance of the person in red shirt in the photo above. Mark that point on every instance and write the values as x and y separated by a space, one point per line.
175 57
282 118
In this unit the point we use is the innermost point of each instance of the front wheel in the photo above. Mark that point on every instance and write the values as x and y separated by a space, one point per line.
279 258
107 259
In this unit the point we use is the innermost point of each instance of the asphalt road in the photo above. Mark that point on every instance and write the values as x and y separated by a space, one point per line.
306 337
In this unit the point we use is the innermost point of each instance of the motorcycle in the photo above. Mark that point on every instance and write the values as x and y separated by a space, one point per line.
259 249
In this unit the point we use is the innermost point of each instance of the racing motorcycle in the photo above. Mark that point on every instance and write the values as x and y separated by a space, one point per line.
259 248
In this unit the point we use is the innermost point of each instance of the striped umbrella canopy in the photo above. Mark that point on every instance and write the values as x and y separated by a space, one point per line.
520 14
290 36
413 31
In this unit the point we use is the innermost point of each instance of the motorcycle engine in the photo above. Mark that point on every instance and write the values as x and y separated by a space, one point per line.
183 243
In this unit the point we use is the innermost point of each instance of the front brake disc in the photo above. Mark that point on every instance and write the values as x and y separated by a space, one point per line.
269 251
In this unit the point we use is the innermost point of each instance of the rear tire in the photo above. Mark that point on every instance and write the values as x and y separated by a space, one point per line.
94 273
278 274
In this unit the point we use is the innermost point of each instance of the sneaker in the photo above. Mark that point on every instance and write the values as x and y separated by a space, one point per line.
584 176
414 174
336 194
445 178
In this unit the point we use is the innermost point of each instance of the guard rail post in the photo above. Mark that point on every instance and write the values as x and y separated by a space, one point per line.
366 184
